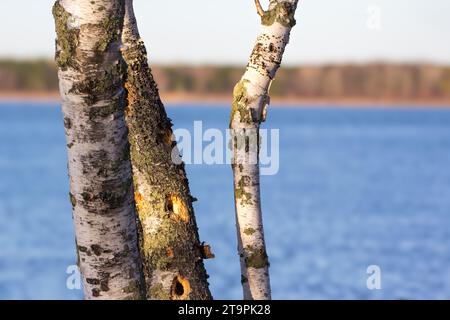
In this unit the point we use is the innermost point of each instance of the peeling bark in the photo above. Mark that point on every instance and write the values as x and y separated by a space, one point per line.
251 97
91 78
170 248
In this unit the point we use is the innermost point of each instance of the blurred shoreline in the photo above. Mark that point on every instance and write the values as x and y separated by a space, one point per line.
370 84
215 100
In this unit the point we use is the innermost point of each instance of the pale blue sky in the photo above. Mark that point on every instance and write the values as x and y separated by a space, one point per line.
223 31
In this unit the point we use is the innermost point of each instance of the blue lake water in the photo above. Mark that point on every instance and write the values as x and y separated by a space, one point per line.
356 187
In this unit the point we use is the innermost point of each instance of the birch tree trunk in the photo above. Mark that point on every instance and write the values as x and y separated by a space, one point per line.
91 72
169 241
251 97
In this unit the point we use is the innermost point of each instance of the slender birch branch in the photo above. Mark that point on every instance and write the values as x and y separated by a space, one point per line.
91 70
259 8
169 241
251 97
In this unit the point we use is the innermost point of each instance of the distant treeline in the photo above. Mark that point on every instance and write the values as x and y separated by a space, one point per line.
33 75
378 81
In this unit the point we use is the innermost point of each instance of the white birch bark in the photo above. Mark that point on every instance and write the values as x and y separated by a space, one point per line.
251 98
91 76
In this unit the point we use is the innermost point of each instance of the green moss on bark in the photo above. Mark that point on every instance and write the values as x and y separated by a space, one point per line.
256 258
67 38
105 111
134 290
93 89
249 231
240 193
282 12
110 27
169 241
73 200
155 247
157 292
241 102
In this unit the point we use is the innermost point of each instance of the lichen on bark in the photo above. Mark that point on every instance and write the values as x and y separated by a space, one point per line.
158 292
162 191
249 231
256 257
67 38
101 186
250 100
110 27
240 192
240 103
169 239
94 88
283 13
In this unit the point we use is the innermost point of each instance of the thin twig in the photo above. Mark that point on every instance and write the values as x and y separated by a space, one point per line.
259 8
